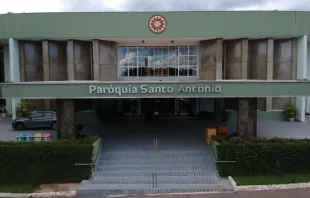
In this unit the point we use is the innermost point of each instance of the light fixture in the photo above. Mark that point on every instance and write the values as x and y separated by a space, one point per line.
143 41
172 41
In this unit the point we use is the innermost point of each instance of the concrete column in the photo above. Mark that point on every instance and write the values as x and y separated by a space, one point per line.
65 119
308 76
96 61
301 74
244 58
46 70
247 117
21 61
70 59
269 70
294 65
108 60
6 61
219 59
284 67
65 108
219 102
11 69
233 59
208 60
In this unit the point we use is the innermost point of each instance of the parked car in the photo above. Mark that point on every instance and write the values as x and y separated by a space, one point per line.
37 119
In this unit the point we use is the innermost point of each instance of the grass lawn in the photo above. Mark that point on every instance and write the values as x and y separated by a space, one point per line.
17 188
273 179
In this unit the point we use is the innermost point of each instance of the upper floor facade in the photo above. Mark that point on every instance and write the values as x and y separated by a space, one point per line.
125 46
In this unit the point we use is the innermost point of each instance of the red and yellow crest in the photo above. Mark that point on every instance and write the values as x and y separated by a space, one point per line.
157 24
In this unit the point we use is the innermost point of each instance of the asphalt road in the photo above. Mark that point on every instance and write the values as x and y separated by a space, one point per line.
298 193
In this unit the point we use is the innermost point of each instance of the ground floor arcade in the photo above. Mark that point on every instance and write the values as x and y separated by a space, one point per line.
174 99
208 109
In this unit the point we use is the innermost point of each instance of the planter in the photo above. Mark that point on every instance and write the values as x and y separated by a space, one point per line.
292 119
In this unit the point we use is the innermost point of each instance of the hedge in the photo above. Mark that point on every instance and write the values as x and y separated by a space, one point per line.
261 157
45 162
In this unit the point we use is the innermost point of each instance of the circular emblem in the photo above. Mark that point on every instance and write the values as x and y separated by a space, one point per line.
157 24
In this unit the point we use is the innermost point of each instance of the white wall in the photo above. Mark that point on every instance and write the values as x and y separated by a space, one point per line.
11 69
301 74
308 76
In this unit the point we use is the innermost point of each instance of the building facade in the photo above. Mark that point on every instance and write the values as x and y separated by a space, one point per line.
153 49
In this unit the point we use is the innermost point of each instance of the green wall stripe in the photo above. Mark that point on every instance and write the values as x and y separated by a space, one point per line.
135 24
225 89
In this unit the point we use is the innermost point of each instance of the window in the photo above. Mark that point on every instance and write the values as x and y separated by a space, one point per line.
161 61
49 114
37 114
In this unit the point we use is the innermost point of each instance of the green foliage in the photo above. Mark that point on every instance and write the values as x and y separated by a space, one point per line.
261 157
45 162
3 110
22 109
290 110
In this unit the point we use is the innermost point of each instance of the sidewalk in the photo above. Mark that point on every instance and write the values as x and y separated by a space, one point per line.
298 193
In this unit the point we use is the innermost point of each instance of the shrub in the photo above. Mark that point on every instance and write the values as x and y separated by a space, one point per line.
290 110
262 156
45 162
22 109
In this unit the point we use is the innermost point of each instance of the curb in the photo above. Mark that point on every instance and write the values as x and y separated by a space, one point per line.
50 194
267 187
73 194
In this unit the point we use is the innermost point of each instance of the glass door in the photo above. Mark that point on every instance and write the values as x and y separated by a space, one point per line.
185 106
131 106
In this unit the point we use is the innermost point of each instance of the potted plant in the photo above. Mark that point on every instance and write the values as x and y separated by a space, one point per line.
290 111
22 109
3 112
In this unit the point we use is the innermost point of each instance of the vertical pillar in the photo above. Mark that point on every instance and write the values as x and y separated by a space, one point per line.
70 59
65 108
295 55
96 70
219 59
11 54
269 70
244 57
247 117
6 61
96 59
21 61
308 76
219 102
301 74
65 118
46 70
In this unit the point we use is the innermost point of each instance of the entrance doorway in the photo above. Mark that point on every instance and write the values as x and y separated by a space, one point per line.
169 106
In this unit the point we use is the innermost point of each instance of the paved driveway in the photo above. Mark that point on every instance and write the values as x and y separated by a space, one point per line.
8 134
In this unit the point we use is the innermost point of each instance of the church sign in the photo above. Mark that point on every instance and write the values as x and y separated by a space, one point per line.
121 89
157 89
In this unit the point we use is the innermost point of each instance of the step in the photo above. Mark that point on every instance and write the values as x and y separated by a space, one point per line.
172 167
149 180
105 192
161 153
159 173
145 186
189 157
128 189
152 162
135 155
114 186
156 165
